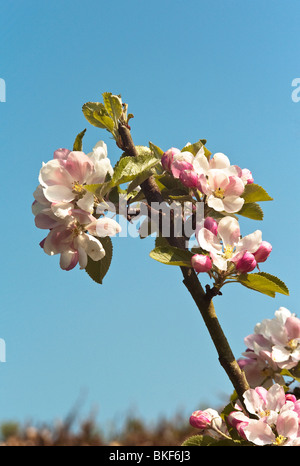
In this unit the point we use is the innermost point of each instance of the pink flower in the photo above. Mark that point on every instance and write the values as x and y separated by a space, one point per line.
71 239
274 421
224 192
63 178
228 246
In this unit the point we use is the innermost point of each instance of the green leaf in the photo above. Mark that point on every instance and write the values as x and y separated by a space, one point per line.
98 269
128 168
264 283
105 121
194 148
97 115
78 141
293 372
113 105
255 193
198 441
170 255
252 210
157 151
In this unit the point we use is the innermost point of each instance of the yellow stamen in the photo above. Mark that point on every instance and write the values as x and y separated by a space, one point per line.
228 252
280 440
78 188
293 344
219 193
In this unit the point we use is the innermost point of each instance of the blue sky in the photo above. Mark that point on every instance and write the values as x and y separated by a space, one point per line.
220 70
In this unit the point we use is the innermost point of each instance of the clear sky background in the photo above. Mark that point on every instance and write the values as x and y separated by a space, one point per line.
220 70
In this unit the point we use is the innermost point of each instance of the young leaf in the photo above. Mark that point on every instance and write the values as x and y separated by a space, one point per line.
98 269
170 255
157 151
90 109
255 193
113 105
198 441
194 148
252 210
264 283
129 168
78 141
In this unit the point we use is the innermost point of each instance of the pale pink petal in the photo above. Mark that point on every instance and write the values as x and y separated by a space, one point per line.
200 162
250 242
219 161
208 240
215 203
104 227
68 259
54 173
87 202
61 154
235 187
217 179
58 240
45 221
59 193
40 197
259 433
79 165
292 325
287 424
229 231
233 204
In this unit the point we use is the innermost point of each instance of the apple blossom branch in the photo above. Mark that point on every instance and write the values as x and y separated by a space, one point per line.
202 298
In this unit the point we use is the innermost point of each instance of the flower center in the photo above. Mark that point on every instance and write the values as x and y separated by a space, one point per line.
219 193
280 440
228 252
78 188
293 344
264 413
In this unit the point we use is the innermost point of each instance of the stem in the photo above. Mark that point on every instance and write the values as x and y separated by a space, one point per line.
202 299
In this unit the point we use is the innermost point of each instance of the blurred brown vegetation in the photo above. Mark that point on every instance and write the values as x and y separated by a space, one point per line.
133 433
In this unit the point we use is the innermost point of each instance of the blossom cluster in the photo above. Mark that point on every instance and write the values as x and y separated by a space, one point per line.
63 206
220 182
270 415
225 247
275 419
274 346
221 186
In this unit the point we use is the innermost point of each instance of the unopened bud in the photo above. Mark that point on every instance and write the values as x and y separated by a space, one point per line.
211 224
263 252
201 263
189 178
168 158
200 419
246 263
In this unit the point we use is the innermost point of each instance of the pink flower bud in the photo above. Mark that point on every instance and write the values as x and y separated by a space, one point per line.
211 225
290 397
246 263
180 165
189 178
247 176
201 263
237 420
200 419
263 252
168 158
